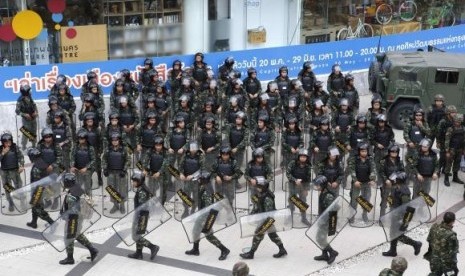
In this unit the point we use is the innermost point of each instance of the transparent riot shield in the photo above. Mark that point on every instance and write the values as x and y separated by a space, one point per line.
363 198
268 222
209 220
70 225
15 182
186 198
299 199
227 189
270 157
242 159
44 191
330 223
115 196
156 183
405 218
429 191
142 221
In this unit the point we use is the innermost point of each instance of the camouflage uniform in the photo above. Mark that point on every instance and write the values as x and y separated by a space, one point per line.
83 157
291 140
11 162
237 137
223 168
187 168
303 171
413 133
333 171
454 144
387 166
153 166
442 127
27 109
264 138
323 140
426 165
141 196
442 253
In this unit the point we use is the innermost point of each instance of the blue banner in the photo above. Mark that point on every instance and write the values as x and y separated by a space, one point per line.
350 54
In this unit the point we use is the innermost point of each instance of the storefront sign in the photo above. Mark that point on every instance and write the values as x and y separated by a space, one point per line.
84 43
351 55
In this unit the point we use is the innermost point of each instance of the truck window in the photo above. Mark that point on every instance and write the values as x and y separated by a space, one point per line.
407 75
445 76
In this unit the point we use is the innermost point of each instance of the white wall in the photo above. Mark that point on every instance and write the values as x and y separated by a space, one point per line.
195 26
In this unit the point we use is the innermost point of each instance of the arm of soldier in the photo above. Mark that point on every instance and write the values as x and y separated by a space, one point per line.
72 159
59 157
218 139
137 120
243 144
237 171
93 157
382 173
104 159
268 173
252 140
289 169
373 173
72 108
392 137
436 167
69 137
202 162
426 129
286 147
272 139
247 172
351 167
18 109
447 138
340 172
167 140
406 132
127 159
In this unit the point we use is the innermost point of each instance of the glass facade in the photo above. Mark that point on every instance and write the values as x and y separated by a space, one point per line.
139 28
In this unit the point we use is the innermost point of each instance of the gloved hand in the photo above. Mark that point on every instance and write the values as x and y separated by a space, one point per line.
122 174
105 173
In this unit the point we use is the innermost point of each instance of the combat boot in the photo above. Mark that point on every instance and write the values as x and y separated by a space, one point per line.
33 223
195 250
114 208
392 252
224 252
323 257
69 260
247 255
153 250
365 216
304 219
446 180
282 252
417 248
332 254
456 178
137 255
93 252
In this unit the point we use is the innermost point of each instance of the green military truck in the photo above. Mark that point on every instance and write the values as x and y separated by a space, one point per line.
413 78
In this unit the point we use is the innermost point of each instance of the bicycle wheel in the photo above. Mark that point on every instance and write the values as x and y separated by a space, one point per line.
448 19
384 14
343 34
407 10
367 31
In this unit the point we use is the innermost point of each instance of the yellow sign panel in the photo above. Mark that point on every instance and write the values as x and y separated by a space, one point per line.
84 43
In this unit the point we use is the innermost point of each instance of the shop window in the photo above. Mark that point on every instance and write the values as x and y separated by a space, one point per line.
445 76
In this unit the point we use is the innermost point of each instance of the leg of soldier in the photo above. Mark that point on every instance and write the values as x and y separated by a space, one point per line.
195 195
87 177
456 167
448 166
66 160
230 191
112 181
164 186
6 179
98 168
293 189
415 244
385 193
214 240
426 187
417 187
24 139
275 238
354 193
123 190
83 240
366 193
41 213
409 162
152 185
257 239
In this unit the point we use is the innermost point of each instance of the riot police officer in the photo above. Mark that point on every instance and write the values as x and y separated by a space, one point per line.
341 122
283 81
382 136
199 70
210 139
95 139
263 137
414 131
82 161
436 112
454 145
299 174
27 109
389 164
12 165
375 110
155 162
192 162
308 79
252 87
332 168
321 140
291 140
425 167
357 134
226 173
144 78
351 94
147 132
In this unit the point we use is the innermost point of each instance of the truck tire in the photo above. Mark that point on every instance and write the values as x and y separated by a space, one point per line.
400 113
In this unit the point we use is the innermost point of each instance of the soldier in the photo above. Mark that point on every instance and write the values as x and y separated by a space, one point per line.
199 70
27 109
176 139
38 171
351 94
62 137
295 93
97 102
54 107
283 81
382 136
252 87
443 247
299 174
257 167
231 108
186 88
89 106
82 161
147 132
274 100
292 110
207 113
398 267
91 77
357 134
144 78
238 91
115 163
308 79
225 70
266 203
377 67
129 119
321 140
95 139
192 162
114 126
401 195
51 153
291 140
436 112
142 195
117 92
174 76
375 110
226 173
212 96
12 165
263 137
205 198
129 84
325 199
332 168
210 139
236 136
425 167
388 165
444 124
341 121
315 115
186 109
155 162
61 79
72 203
320 93
66 102
262 109
336 81
163 104
454 144
414 132
362 169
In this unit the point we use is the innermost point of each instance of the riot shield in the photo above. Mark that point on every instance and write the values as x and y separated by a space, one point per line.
27 130
8 207
365 199
209 220
70 225
142 221
115 196
431 195
227 189
242 158
268 222
43 191
330 223
299 199
270 157
405 218
186 198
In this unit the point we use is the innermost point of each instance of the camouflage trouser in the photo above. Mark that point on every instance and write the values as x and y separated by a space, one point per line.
85 180
364 190
11 177
379 155
32 127
192 190
322 235
210 159
409 160
300 190
257 239
82 240
385 193
317 158
39 211
210 237
119 183
439 267
453 161
66 152
227 189
424 186
141 242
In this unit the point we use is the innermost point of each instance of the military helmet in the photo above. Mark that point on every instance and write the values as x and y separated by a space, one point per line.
153 73
237 82
363 146
119 82
318 84
61 78
258 152
52 100
343 101
69 179
324 120
295 83
82 133
381 118
272 85
123 99
178 119
264 118
318 102
380 56
283 69
264 97
419 110
184 98
115 135
6 137
348 78
59 113
151 115
335 67
25 89
451 109
33 153
89 97
137 176
399 264
151 98
458 118
194 146
210 120
376 98
229 61
233 99
241 114
361 118
439 97
91 75
225 149
46 131
89 116
113 115
157 139
63 86
291 119
251 71
148 61
394 148
425 142
307 65
320 180
303 152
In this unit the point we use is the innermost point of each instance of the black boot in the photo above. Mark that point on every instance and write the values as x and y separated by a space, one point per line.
93 253
332 254
247 255
323 257
153 250
304 219
114 208
456 178
281 252
446 180
69 260
195 250
417 248
137 255
224 252
392 252
122 208
33 223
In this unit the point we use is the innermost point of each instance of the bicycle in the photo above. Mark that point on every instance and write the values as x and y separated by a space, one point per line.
442 16
406 11
361 30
